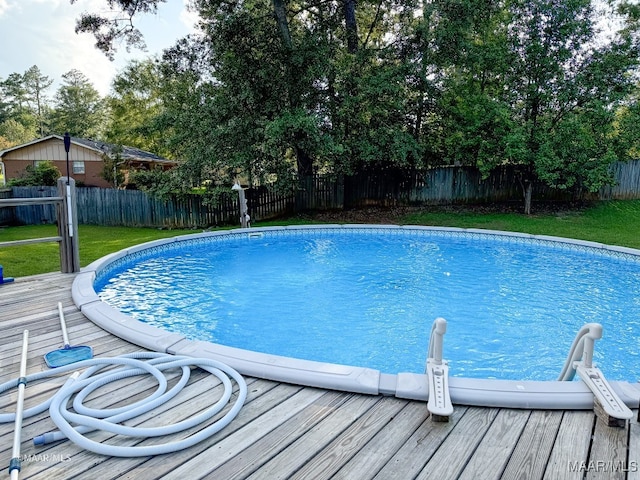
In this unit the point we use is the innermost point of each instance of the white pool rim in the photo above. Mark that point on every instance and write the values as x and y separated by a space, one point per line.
528 394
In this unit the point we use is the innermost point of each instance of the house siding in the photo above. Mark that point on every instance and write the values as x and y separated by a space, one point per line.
53 150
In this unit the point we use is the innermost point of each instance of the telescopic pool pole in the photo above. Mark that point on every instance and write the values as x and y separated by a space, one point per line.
67 147
15 464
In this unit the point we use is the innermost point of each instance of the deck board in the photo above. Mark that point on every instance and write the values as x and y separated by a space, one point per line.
366 463
463 440
287 431
633 462
418 448
496 444
571 446
530 455
277 441
608 453
303 450
350 441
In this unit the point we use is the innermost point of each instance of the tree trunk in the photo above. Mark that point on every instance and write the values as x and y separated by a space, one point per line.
304 162
303 159
281 18
525 178
528 189
351 25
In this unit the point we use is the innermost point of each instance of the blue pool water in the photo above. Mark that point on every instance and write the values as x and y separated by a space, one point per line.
368 298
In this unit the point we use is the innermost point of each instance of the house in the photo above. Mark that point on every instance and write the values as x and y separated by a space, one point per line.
86 159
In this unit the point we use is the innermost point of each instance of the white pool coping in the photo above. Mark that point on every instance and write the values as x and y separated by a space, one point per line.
464 391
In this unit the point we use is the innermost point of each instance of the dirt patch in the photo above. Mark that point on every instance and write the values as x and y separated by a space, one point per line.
373 215
396 215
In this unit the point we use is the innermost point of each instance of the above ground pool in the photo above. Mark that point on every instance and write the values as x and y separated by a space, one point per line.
351 307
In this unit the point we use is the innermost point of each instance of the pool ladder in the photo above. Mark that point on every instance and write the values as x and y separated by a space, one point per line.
439 403
607 404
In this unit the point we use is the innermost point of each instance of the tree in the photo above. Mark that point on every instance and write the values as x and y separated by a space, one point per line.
18 122
470 60
36 85
110 28
564 84
627 133
14 94
274 81
225 93
79 109
112 167
458 69
533 85
351 25
134 108
13 133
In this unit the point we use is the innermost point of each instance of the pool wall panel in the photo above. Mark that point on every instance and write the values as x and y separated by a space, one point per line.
284 369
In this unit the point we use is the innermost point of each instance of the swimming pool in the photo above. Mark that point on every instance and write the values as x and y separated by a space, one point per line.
389 283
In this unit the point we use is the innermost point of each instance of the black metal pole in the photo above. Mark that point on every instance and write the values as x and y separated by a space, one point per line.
67 147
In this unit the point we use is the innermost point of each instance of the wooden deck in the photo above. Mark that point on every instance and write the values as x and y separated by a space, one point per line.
287 431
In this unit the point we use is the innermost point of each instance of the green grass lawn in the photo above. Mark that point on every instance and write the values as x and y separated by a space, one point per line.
614 222
95 242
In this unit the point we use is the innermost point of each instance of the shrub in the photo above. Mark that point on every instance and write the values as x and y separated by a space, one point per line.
44 174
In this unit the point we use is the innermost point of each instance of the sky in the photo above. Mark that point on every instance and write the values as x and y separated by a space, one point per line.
42 33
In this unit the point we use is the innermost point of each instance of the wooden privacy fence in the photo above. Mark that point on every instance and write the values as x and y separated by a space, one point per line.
449 185
443 185
65 214
135 208
100 206
627 182
6 215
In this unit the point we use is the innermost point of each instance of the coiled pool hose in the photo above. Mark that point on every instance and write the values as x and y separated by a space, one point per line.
79 386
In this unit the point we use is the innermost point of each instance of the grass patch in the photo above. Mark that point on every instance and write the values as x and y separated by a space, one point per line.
613 222
95 242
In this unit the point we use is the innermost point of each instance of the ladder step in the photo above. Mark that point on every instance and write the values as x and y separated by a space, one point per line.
439 403
604 394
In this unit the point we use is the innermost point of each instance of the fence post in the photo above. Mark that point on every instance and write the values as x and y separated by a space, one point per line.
67 214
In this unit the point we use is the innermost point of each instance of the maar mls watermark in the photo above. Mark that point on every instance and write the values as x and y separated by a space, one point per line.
45 458
602 466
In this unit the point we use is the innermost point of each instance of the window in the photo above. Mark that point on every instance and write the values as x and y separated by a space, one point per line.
78 167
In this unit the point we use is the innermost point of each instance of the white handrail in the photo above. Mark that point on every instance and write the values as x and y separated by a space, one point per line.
436 340
580 361
582 348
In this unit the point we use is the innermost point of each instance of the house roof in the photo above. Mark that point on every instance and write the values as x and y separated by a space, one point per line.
126 153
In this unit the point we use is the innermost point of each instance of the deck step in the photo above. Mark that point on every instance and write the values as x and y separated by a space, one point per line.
607 404
439 403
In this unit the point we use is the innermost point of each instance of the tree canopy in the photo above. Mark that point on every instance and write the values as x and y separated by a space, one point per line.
79 107
28 111
271 89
